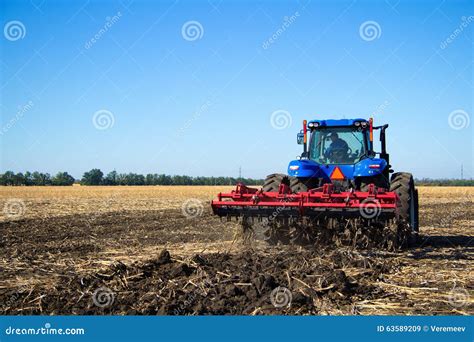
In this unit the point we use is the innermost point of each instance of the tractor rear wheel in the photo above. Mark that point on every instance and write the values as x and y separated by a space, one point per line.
403 184
297 185
275 231
273 181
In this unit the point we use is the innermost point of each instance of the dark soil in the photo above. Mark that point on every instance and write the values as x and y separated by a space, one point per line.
87 264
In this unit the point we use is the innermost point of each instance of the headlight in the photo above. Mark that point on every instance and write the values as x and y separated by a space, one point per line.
364 124
311 124
357 123
316 124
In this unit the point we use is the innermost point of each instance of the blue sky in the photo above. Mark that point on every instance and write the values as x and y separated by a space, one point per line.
189 87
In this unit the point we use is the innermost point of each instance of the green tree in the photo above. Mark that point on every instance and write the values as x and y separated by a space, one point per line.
19 179
150 179
111 178
63 178
92 177
39 178
8 178
28 178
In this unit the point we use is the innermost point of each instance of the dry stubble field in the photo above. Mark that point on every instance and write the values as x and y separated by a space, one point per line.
131 250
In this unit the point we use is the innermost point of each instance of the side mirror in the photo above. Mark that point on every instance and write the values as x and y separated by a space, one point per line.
300 138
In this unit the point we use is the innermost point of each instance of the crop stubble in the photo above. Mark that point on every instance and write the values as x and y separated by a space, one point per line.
71 241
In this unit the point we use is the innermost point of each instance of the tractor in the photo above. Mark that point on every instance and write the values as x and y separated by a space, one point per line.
340 190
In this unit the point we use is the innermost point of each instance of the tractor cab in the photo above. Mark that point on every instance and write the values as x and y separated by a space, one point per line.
338 145
340 150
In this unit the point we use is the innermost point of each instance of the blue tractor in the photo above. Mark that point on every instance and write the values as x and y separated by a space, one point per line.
340 184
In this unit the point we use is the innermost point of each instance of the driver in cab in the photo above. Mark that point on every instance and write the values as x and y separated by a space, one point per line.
338 149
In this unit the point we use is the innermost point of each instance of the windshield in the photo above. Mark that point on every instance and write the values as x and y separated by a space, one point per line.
338 145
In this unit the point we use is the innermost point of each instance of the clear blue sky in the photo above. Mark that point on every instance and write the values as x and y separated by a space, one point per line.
202 104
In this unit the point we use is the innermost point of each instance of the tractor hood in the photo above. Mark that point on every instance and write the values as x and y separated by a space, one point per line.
306 168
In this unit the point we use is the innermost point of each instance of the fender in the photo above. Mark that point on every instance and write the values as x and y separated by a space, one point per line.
305 168
369 167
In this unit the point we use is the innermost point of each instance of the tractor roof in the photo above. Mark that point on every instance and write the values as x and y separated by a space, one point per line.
338 123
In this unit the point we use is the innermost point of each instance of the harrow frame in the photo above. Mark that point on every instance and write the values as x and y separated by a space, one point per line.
326 201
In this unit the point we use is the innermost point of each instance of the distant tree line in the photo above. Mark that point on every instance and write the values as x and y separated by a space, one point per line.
96 177
35 178
444 182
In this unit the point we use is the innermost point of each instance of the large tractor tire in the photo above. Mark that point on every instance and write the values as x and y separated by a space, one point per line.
273 181
402 183
297 185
